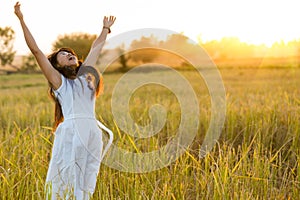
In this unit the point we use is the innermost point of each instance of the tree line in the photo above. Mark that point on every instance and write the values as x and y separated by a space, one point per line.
228 48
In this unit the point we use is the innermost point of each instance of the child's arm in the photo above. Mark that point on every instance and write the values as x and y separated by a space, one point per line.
51 74
99 42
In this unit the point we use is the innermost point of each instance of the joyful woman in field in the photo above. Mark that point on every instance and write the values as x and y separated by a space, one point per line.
74 85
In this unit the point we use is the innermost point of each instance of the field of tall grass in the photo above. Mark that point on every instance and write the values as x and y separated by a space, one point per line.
257 155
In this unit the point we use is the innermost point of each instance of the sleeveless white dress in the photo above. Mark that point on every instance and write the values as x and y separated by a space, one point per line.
78 147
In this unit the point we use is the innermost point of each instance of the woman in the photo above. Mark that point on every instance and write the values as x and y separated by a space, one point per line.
74 86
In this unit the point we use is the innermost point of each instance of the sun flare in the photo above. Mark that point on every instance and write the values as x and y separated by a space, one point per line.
254 22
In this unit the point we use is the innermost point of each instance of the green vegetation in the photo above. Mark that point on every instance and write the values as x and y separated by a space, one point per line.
257 156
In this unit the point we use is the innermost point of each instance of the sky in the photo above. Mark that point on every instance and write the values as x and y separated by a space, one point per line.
252 21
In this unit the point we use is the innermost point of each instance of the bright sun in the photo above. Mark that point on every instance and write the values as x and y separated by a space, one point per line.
255 22
252 21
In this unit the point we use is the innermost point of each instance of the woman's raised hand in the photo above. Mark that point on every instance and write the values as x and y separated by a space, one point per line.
108 21
18 10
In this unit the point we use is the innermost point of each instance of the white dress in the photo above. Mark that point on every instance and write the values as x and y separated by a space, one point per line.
78 148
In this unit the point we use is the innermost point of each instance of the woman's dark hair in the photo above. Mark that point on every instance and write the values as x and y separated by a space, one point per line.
71 73
67 71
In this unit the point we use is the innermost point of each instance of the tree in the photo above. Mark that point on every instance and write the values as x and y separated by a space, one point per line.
30 64
142 51
179 41
79 42
123 58
7 36
188 49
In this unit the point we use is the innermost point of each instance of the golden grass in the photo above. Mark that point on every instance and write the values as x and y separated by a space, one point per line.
256 157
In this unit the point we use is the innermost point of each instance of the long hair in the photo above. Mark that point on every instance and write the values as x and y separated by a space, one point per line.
71 73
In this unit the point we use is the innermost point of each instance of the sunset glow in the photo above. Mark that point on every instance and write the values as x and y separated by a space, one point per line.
255 22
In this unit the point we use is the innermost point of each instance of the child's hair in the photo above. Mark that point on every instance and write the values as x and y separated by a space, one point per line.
71 73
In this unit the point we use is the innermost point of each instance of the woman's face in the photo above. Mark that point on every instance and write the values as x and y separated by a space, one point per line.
65 58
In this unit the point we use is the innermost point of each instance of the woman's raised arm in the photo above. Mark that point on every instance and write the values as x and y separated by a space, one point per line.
51 74
99 42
